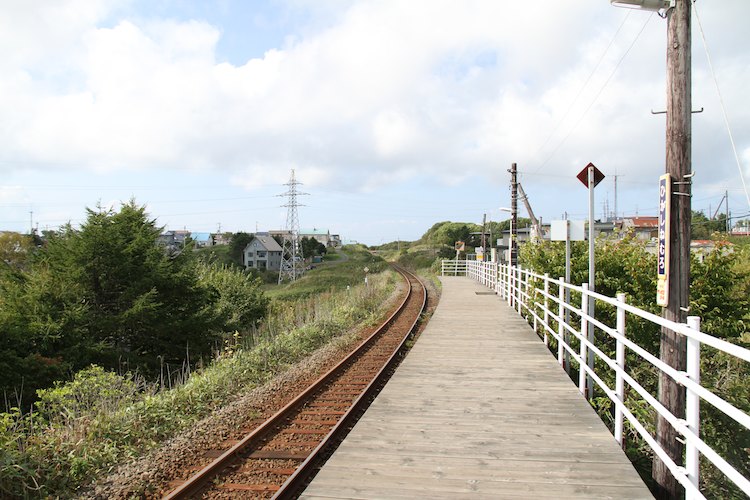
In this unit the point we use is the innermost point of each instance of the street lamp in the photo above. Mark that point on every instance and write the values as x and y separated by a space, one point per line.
651 5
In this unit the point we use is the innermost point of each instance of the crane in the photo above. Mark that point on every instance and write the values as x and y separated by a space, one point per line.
536 227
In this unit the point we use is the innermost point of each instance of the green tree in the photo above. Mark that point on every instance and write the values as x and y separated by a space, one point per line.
104 293
15 251
237 245
241 302
143 303
701 227
312 247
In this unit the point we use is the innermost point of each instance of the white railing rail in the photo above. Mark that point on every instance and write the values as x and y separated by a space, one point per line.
530 295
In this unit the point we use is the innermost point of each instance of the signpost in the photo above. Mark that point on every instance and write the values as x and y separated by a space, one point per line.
665 208
567 231
594 177
459 246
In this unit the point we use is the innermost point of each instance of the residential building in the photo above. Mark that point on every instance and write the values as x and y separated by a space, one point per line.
221 238
322 235
644 228
262 253
173 239
201 240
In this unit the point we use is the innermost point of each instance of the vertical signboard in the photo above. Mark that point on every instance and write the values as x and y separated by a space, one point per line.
665 202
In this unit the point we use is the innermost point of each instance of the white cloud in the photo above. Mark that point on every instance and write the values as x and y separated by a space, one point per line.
383 91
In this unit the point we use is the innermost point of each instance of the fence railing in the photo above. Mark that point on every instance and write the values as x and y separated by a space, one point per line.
547 304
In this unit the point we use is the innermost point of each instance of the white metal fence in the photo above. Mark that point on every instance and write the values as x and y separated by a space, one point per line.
547 304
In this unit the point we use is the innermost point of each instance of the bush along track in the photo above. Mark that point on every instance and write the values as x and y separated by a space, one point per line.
84 428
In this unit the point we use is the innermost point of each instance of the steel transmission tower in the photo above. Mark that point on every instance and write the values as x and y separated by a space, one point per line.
291 255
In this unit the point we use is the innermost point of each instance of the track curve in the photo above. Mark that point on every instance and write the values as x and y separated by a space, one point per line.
276 458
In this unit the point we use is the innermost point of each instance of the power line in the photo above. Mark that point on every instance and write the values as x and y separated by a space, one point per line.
721 101
588 79
596 97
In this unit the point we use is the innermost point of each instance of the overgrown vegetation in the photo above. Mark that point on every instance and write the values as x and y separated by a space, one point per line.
325 277
106 293
439 243
83 427
720 287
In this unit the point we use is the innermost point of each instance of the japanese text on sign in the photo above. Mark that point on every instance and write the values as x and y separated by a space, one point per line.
665 199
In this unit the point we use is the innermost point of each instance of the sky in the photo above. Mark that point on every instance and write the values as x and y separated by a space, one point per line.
394 115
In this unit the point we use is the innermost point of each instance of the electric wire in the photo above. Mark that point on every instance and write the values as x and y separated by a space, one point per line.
585 84
596 97
721 101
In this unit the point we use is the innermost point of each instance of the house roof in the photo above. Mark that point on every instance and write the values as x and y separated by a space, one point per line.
314 231
201 236
644 222
267 242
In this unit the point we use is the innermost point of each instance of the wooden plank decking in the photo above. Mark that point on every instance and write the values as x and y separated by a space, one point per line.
478 409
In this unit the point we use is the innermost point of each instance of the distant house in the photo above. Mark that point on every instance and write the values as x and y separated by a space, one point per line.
262 253
322 235
173 239
741 228
221 238
644 228
279 233
701 248
201 240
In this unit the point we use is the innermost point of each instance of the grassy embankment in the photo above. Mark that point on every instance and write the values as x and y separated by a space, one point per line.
81 429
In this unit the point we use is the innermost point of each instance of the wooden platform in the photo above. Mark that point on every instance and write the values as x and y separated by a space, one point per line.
478 409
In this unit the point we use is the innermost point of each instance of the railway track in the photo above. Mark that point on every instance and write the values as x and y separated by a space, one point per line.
275 458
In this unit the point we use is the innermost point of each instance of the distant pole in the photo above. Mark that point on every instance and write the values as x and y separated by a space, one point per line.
513 214
673 347
615 217
590 336
729 223
484 240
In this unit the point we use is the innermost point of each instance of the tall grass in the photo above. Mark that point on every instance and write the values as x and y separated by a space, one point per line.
83 428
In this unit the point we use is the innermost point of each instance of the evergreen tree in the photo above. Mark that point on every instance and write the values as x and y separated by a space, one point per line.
104 293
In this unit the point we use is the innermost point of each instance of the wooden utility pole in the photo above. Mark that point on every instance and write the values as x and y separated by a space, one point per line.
513 214
673 346
484 239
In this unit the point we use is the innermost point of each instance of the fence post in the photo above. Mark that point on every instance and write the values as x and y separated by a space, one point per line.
519 297
532 302
500 283
692 405
546 307
510 277
584 331
560 328
619 380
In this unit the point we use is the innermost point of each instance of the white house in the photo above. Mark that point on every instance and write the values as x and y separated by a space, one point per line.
321 235
262 253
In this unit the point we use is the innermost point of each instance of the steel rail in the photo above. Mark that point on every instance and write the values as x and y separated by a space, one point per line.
199 480
291 486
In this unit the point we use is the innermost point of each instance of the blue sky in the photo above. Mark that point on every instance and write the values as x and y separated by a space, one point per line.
395 115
